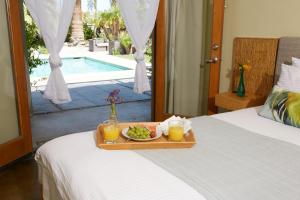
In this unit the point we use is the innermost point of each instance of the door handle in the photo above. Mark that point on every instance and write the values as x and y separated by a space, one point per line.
212 60
215 47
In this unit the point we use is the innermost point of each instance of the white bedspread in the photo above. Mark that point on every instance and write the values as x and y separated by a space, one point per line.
81 171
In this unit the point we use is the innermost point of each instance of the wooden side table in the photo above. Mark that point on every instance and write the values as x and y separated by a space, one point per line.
230 101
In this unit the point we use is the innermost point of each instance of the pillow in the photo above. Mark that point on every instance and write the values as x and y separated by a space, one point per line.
282 106
289 78
296 62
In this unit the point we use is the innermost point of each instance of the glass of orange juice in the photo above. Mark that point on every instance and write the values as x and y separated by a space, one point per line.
111 131
175 130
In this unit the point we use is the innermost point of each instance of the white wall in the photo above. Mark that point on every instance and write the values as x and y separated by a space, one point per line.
256 18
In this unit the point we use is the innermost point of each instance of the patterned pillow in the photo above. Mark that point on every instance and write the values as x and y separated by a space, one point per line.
282 106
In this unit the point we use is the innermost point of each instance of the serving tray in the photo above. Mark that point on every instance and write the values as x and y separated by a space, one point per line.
161 143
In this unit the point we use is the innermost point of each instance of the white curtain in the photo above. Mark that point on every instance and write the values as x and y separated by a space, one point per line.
139 17
53 18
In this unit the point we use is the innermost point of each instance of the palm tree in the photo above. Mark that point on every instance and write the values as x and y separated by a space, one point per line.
77 25
111 23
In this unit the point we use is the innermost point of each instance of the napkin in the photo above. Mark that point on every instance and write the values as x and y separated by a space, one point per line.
164 126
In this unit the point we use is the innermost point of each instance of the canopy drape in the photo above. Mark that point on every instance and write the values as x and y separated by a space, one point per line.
139 17
53 18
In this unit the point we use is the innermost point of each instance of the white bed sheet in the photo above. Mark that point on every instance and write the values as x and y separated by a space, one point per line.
63 161
250 120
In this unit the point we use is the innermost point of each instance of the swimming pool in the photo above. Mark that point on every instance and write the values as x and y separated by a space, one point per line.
77 66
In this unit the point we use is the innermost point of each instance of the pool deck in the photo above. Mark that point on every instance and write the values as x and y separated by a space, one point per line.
87 95
48 126
87 109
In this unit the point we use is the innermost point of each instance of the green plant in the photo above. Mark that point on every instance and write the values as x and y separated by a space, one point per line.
116 51
33 42
125 41
87 31
149 50
42 50
92 5
111 23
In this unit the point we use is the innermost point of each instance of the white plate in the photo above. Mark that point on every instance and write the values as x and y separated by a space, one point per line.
125 130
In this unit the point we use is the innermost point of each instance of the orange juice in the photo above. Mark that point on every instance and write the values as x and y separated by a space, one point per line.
111 133
175 133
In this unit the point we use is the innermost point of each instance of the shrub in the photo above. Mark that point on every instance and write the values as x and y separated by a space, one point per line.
33 42
125 41
116 51
87 31
149 49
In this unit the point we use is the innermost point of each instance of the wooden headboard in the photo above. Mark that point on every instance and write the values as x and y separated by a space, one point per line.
260 53
288 47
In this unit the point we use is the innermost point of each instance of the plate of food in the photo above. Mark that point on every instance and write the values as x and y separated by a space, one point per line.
141 133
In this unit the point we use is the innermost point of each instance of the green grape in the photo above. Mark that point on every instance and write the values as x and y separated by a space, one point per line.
138 132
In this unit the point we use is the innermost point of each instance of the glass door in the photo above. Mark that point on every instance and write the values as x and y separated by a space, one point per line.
8 107
15 135
188 51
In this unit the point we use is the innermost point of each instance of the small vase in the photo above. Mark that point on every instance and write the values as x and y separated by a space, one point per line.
241 87
113 114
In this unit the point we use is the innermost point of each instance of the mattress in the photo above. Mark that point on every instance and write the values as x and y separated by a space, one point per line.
72 167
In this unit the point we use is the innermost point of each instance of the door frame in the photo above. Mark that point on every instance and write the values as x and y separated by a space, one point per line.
159 69
215 68
21 145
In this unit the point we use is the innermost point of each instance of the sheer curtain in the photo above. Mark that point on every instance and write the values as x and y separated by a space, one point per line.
139 17
53 18
183 78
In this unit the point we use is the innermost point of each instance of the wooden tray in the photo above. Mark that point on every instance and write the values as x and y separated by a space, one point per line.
161 143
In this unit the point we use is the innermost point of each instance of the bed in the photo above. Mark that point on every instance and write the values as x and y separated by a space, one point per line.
242 156
238 156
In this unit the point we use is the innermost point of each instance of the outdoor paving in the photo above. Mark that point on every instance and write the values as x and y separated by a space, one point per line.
52 125
87 109
86 95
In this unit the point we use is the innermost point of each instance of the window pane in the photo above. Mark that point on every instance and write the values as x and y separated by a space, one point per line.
8 108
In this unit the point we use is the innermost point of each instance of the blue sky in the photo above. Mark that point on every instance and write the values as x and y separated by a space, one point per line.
101 5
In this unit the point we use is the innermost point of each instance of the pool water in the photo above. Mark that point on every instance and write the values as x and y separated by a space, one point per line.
75 66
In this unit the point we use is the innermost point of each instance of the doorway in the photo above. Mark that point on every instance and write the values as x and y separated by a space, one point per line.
21 143
98 58
188 57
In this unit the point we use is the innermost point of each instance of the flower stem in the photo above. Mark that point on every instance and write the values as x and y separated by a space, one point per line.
113 114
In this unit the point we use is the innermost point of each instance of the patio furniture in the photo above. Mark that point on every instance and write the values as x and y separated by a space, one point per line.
97 46
102 45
